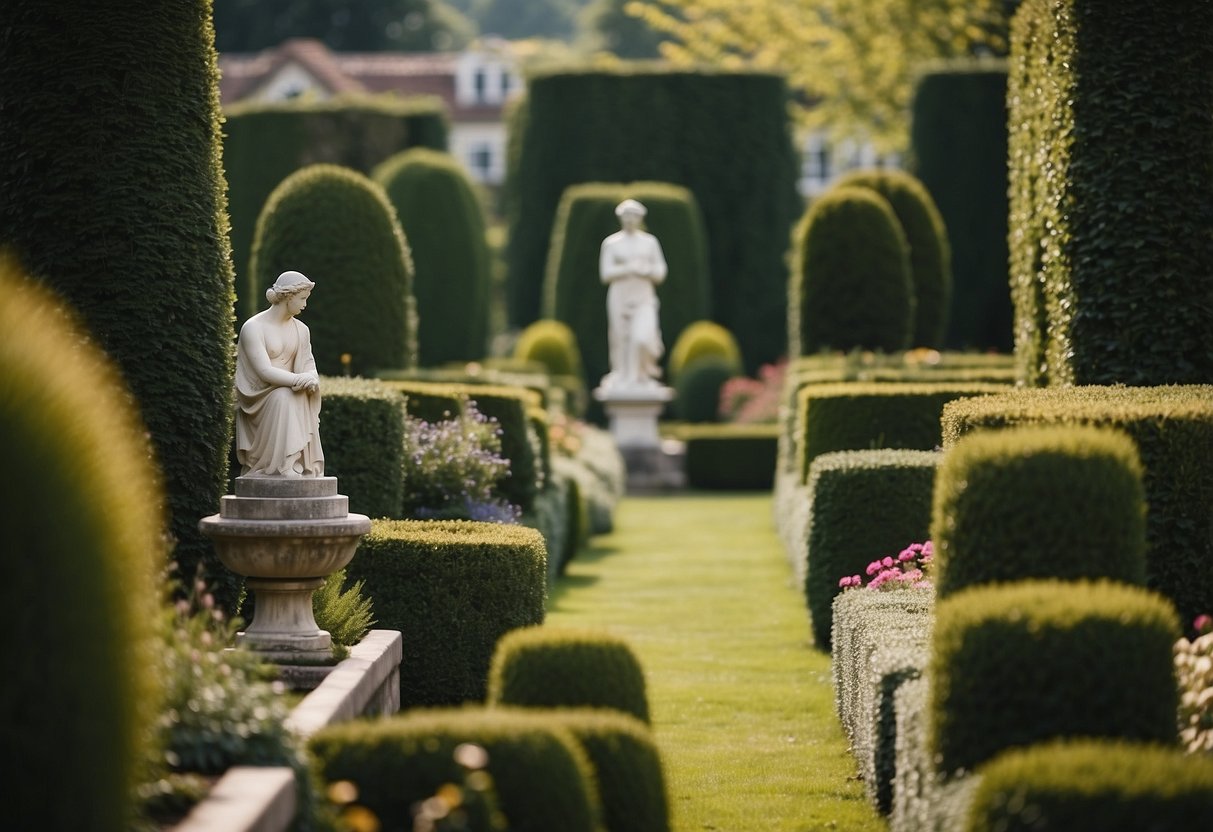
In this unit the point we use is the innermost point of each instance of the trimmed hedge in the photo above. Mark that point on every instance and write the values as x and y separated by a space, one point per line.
444 224
542 667
704 339
697 390
84 539
430 401
363 434
723 135
1092 784
575 294
890 667
927 238
1039 502
958 138
265 143
864 505
455 587
852 417
338 228
851 285
1025 662
1114 244
550 343
1172 428
730 457
541 775
114 197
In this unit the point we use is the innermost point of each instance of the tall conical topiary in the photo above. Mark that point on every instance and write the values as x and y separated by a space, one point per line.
444 224
930 255
851 286
84 541
114 196
338 228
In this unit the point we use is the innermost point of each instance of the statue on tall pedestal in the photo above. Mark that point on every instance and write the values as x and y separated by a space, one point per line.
632 265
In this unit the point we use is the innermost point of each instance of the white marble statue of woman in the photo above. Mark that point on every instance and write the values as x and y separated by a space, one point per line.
632 264
277 388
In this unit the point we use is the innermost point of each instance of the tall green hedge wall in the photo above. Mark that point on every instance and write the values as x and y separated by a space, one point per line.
113 195
1111 172
723 135
575 294
958 140
266 143
338 228
444 224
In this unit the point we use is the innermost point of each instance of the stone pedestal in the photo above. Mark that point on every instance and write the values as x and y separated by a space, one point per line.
286 535
652 464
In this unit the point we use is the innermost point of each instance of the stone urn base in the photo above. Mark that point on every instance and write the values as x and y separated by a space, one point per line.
633 412
286 535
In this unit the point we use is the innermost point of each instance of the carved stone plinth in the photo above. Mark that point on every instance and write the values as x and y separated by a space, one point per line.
286 535
633 412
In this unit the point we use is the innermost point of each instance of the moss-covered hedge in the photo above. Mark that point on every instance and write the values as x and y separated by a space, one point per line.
864 505
575 294
264 143
363 435
443 222
114 197
544 667
455 587
1109 255
730 457
851 285
1021 663
958 138
723 135
1039 502
338 228
927 238
1093 784
542 777
1172 428
84 543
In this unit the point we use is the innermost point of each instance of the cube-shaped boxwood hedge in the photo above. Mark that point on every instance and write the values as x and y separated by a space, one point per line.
453 588
1039 502
864 505
1015 664
362 432
730 456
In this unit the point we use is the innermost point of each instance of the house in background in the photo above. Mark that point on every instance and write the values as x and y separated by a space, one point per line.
823 162
474 84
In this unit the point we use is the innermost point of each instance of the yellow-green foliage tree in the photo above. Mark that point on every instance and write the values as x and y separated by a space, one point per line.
855 60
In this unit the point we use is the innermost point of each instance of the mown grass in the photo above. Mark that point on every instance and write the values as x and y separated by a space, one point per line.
742 704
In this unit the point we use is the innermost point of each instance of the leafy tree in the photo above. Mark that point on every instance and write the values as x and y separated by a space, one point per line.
853 62
517 19
608 27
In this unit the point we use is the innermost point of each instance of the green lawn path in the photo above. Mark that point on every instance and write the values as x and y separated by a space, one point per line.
742 705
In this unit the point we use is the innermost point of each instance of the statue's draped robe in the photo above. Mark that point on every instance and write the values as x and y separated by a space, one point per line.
632 306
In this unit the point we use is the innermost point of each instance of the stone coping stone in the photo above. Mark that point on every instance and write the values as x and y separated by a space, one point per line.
350 685
246 799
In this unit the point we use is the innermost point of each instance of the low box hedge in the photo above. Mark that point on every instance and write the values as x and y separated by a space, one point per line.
541 776
1172 427
863 506
1039 502
1092 784
730 457
549 515
362 431
891 666
454 588
1014 664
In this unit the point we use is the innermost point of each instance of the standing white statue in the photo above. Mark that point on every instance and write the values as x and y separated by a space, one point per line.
632 264
278 388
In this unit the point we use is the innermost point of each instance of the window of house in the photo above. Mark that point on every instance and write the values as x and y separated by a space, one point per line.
480 160
480 83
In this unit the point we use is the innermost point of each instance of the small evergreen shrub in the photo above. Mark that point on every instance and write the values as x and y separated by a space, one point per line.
542 777
851 284
342 610
864 505
1021 663
444 225
551 343
338 228
1172 428
927 238
456 587
859 416
1039 502
362 430
697 390
730 457
1093 784
542 667
700 340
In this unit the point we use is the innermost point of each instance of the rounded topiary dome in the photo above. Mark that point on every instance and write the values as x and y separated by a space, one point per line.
550 343
850 286
338 228
704 339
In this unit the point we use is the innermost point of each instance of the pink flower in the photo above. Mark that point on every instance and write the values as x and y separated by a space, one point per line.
887 562
873 567
1203 624
907 554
